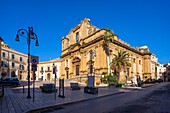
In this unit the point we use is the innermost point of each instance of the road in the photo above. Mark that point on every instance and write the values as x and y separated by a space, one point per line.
155 99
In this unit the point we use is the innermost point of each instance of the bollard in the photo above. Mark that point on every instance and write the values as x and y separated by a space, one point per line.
23 90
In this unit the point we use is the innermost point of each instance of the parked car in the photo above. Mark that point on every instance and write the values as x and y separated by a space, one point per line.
1 90
13 81
159 80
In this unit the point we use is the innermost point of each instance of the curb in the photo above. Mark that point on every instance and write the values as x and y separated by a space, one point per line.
149 85
67 103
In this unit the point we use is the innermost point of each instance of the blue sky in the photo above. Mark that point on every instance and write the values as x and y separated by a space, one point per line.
137 22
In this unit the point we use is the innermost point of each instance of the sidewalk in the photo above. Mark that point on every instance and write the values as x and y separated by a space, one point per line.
15 101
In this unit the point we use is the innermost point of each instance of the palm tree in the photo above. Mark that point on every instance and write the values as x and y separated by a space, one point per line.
119 62
108 36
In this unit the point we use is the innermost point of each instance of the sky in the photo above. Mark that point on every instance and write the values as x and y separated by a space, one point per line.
137 22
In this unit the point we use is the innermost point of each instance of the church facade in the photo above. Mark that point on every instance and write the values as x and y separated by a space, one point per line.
83 55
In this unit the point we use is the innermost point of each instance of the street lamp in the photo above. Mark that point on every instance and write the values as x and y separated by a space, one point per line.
29 34
54 72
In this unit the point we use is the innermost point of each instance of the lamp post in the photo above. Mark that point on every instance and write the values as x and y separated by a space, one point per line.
29 34
54 72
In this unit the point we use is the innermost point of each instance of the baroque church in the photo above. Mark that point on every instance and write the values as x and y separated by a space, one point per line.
83 55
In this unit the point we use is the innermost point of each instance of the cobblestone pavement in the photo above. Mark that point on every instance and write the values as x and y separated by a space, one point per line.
15 101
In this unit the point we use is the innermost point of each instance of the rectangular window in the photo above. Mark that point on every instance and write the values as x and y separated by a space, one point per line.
42 70
134 60
3 54
4 64
13 64
13 57
140 62
21 67
48 68
20 59
77 70
77 37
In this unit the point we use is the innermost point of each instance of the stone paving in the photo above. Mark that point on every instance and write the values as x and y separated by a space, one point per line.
15 101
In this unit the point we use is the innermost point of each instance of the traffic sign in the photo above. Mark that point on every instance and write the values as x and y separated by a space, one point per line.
34 59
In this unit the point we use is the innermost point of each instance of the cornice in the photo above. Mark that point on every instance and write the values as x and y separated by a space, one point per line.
51 61
99 39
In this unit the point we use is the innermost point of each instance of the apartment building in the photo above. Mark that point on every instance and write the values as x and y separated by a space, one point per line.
45 70
13 63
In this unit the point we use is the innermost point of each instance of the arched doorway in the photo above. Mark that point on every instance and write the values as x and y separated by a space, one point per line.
67 72
76 63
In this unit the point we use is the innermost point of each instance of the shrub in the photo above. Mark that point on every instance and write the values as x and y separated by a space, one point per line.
104 79
112 79
118 85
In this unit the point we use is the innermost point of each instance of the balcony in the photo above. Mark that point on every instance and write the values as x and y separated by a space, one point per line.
41 71
48 70
14 67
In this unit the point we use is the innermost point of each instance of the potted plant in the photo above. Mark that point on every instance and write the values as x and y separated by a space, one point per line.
119 85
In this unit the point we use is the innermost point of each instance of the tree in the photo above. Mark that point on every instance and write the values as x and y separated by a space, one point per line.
119 62
108 37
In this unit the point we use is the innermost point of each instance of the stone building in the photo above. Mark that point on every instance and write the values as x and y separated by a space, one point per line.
83 55
13 63
45 70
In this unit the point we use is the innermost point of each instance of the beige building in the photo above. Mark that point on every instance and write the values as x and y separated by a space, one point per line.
45 70
160 70
13 63
83 54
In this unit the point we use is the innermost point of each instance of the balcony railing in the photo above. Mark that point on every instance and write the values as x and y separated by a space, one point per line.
48 70
41 71
13 60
